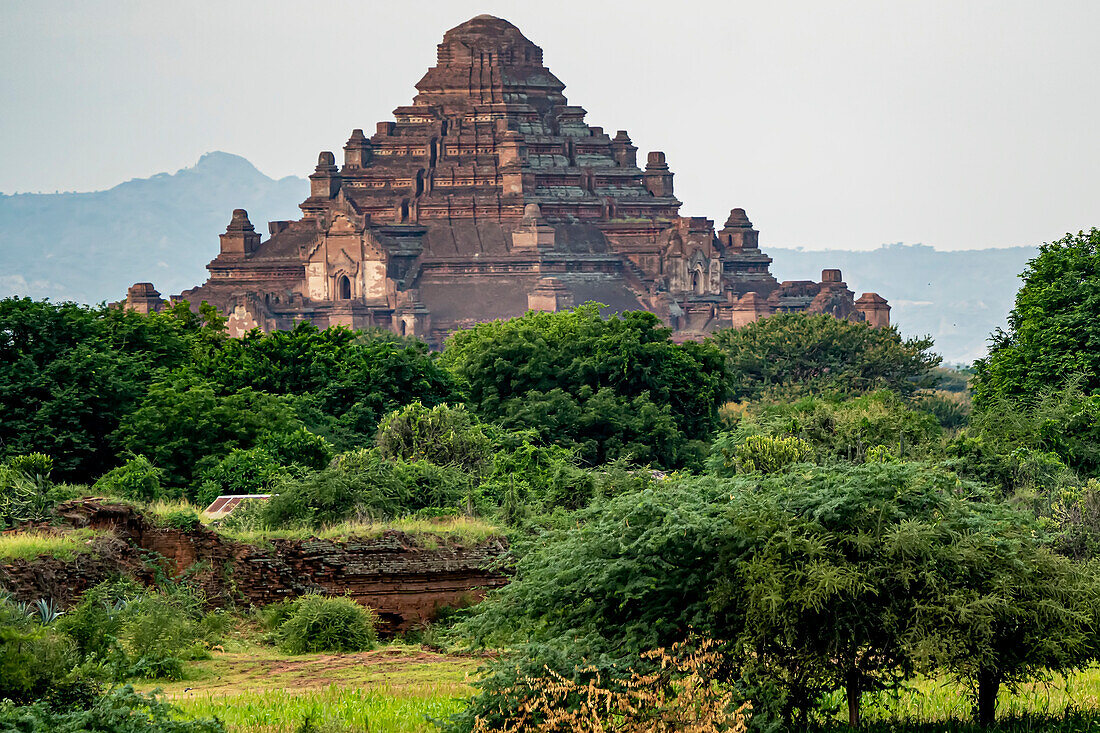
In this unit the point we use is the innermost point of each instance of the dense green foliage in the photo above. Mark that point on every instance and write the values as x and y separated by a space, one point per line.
791 355
610 388
835 429
120 711
69 374
852 529
1053 332
347 380
443 435
316 623
819 578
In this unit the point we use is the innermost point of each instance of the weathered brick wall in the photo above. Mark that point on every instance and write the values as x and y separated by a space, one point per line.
403 582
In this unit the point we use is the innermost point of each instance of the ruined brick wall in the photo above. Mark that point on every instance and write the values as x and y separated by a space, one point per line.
402 581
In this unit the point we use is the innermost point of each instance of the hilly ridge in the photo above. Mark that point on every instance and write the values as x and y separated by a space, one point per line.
89 247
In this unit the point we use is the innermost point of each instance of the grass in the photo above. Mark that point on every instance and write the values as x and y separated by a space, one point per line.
940 701
35 543
379 710
428 533
397 687
258 689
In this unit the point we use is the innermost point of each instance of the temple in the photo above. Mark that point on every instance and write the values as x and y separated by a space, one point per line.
490 196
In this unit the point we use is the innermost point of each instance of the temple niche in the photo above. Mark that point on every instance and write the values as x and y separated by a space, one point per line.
488 196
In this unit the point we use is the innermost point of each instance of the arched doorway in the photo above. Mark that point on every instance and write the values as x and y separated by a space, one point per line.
343 288
697 281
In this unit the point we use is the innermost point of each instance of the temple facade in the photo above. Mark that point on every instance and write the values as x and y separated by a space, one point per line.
490 196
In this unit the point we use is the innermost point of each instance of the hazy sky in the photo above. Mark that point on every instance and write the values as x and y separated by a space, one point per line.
834 124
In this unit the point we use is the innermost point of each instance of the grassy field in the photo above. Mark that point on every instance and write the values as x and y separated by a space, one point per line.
253 688
397 688
32 544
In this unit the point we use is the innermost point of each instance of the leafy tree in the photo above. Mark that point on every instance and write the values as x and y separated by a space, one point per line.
1011 611
184 426
69 374
793 354
853 577
1054 328
616 387
345 380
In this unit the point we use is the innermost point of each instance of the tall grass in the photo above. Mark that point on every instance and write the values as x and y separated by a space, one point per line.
34 543
428 533
378 710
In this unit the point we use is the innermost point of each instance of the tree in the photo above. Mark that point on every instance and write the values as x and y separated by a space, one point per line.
344 380
853 577
792 354
444 435
69 373
615 387
185 427
837 430
1054 328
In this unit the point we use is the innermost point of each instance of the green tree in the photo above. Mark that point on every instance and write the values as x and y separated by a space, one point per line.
792 354
1054 328
185 427
837 430
345 380
69 374
615 387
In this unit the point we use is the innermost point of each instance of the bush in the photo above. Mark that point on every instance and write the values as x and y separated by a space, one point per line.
363 483
25 497
443 435
32 464
136 479
733 453
252 471
319 623
120 711
33 658
130 631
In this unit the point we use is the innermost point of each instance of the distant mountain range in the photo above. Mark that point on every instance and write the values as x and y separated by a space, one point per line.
90 247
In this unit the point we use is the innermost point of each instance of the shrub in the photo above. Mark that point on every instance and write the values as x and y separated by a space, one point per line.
443 435
120 711
32 464
250 471
326 624
733 453
675 692
362 482
33 658
136 479
131 631
25 497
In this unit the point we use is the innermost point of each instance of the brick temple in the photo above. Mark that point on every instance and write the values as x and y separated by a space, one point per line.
490 196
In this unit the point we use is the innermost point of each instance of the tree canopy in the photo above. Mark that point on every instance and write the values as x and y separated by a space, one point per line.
611 388
1054 328
793 354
